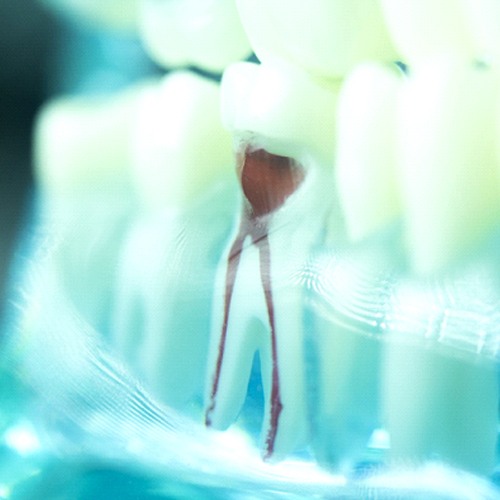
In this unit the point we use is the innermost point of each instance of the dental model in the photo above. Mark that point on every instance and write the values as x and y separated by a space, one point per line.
181 159
203 33
283 125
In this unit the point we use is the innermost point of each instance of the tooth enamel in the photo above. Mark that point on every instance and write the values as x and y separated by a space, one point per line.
422 28
365 162
257 305
179 146
448 161
205 33
290 111
483 17
82 142
325 37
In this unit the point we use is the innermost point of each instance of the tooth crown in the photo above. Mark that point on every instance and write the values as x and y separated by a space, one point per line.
179 146
325 37
204 33
290 112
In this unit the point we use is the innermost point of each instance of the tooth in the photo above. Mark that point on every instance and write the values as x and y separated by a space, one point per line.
258 306
422 28
205 33
365 162
435 406
448 161
291 112
80 143
182 159
179 144
483 18
325 37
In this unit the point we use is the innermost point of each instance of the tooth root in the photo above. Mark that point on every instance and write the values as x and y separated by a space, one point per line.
203 33
179 145
324 37
483 18
440 408
448 161
423 28
291 113
365 162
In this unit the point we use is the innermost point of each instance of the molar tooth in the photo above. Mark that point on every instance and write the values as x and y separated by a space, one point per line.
205 33
255 287
422 28
179 145
447 135
182 157
365 163
325 37
291 112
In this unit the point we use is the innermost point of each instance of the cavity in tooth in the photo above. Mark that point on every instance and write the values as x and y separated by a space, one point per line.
179 145
249 270
291 112
204 33
325 37
365 162
182 158
483 20
448 161
422 28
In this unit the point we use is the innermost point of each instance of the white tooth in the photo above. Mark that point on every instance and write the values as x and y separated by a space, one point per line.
179 145
205 33
243 315
114 14
448 161
365 162
81 143
289 110
483 18
440 408
181 155
422 28
325 37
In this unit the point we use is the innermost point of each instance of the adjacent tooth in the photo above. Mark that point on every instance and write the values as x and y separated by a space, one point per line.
422 28
113 14
292 113
205 33
181 165
81 143
365 162
325 37
483 18
448 161
179 145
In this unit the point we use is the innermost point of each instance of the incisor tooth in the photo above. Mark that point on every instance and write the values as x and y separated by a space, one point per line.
291 112
205 33
422 28
365 162
325 37
179 145
447 135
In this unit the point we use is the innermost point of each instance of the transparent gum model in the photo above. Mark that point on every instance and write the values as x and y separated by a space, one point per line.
272 270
